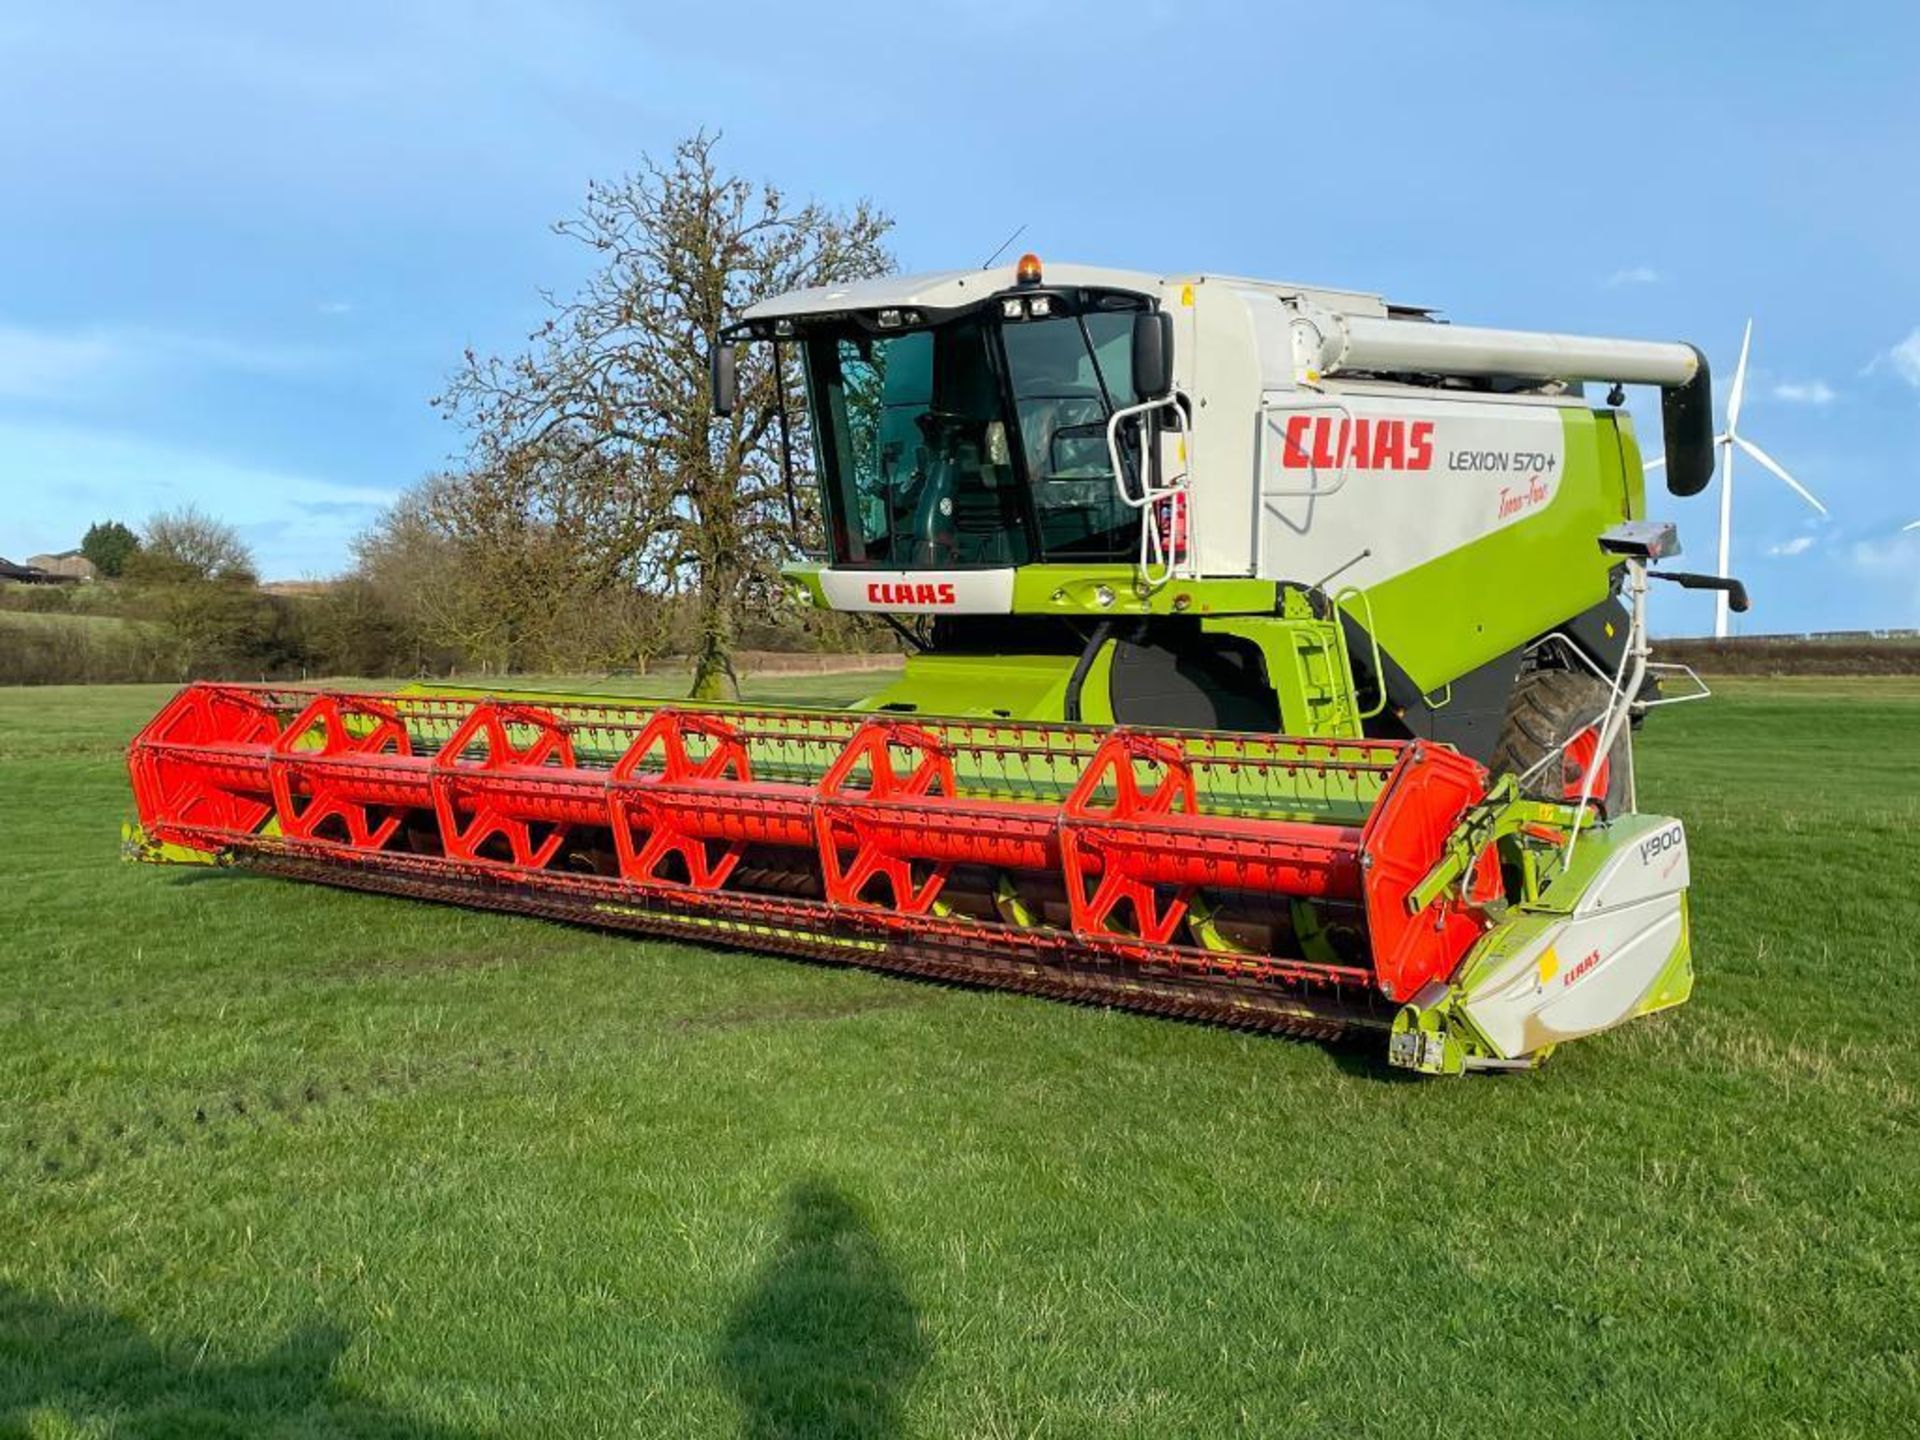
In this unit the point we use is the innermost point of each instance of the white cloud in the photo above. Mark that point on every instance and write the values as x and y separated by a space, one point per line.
1635 275
1905 359
335 307
1805 392
49 364
1799 545
37 365
1891 566
298 524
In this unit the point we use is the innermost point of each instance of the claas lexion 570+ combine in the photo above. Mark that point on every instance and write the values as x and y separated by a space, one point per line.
1276 656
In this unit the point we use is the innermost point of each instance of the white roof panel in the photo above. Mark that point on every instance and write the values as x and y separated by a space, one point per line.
943 289
954 289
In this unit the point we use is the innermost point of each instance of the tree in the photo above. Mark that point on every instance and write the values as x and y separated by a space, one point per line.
109 545
350 630
187 544
419 573
472 572
199 580
225 628
601 437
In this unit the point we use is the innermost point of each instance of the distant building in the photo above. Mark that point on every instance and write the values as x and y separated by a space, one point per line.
29 575
66 565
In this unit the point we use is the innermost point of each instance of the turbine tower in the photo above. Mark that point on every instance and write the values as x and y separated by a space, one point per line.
1728 440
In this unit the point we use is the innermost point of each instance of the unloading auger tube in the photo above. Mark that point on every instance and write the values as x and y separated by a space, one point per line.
1329 344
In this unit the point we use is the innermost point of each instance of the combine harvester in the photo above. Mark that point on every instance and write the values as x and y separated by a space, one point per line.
1276 654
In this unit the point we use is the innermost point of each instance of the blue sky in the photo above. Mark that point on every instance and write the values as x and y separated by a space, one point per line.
244 244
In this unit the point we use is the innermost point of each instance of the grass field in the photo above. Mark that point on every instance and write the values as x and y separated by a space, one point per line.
282 1161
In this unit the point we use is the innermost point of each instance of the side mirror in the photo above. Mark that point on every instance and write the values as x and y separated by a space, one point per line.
1152 354
725 386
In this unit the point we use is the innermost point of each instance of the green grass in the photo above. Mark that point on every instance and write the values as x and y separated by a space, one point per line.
63 619
281 1161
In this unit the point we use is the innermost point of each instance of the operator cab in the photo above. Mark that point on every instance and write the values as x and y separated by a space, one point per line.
952 436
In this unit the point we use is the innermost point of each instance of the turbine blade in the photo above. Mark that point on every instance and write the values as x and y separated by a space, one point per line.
1914 526
1779 470
1723 438
1739 390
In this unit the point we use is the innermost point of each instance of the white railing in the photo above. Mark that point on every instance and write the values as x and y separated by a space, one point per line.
1164 554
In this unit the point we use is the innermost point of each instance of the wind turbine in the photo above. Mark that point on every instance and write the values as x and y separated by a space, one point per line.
1728 440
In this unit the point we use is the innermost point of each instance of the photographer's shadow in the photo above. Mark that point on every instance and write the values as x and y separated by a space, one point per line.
95 1369
825 1342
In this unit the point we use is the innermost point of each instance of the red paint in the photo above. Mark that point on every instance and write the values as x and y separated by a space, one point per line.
881 592
1324 443
1581 755
1579 971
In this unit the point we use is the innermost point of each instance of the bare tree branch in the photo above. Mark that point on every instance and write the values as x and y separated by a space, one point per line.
601 440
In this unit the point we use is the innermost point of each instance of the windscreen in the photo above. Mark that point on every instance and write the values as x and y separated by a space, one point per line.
915 452
1068 375
973 442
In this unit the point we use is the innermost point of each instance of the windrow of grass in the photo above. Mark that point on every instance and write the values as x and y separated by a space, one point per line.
278 1160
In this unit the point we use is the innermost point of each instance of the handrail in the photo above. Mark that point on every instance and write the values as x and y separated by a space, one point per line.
1625 690
1373 639
1701 691
1316 491
1153 549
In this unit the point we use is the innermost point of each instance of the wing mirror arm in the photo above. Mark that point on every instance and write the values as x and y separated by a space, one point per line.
1737 599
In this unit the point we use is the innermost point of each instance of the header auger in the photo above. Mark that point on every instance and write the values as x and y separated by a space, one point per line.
1276 658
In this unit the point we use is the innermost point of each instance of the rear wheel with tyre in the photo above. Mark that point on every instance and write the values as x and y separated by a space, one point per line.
1561 710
